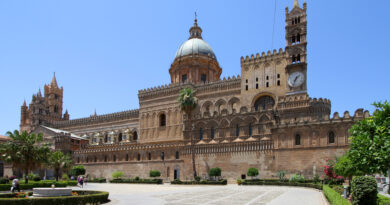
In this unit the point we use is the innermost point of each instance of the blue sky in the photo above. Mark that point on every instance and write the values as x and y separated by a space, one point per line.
103 52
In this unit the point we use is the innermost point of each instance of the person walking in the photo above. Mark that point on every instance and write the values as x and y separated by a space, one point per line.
81 181
15 185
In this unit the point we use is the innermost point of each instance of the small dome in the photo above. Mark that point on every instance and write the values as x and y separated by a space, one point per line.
195 46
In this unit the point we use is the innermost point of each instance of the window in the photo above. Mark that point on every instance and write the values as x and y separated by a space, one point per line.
177 155
246 80
278 82
139 157
105 138
55 109
297 139
257 86
105 158
267 77
246 87
120 137
200 134
135 136
203 78
298 38
299 58
114 158
95 159
278 75
257 79
264 102
78 159
250 129
127 157
184 78
237 130
267 84
162 120
162 156
212 133
149 156
293 59
87 160
331 137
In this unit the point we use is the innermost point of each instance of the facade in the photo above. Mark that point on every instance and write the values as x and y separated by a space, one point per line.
263 118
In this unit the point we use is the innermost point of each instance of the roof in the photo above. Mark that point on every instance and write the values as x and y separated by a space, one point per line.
58 131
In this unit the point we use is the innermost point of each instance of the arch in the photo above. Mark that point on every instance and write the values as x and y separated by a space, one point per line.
177 155
264 102
207 107
298 139
162 120
233 105
135 136
264 118
220 105
331 137
120 137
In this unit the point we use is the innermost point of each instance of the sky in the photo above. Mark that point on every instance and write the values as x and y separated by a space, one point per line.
103 52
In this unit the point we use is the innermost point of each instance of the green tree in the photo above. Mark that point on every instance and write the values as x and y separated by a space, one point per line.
188 104
25 151
369 150
154 173
215 172
345 168
252 172
59 161
77 170
117 174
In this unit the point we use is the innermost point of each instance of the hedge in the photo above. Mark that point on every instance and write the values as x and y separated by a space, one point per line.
364 190
203 182
84 197
382 200
140 181
7 187
333 197
97 180
281 183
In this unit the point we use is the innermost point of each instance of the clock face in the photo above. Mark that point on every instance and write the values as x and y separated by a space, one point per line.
296 79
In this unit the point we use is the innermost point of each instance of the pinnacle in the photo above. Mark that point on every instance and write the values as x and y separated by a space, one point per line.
296 3
54 81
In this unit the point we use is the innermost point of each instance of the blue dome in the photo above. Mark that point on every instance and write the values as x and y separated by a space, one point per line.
195 46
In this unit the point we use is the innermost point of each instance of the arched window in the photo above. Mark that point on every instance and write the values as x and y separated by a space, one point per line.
299 58
55 109
127 157
298 38
177 155
105 138
264 102
250 129
95 159
162 156
135 136
149 156
120 137
78 159
212 132
114 158
297 139
203 78
237 130
139 157
87 160
331 137
105 158
162 120
200 133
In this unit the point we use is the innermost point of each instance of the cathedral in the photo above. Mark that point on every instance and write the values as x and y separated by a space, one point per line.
262 118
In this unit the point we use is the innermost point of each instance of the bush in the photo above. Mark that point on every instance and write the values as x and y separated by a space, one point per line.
117 174
382 200
139 181
65 177
77 170
197 178
281 174
83 197
252 172
30 185
136 178
281 183
215 172
364 190
338 189
333 197
4 180
203 182
154 173
97 180
316 178
297 178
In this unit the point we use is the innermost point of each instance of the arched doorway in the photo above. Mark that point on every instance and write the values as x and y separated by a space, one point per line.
264 102
176 173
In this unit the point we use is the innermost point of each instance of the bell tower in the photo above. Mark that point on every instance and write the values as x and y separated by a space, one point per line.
53 99
296 44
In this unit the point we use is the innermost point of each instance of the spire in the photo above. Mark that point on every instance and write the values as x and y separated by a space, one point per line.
39 93
296 3
195 30
54 81
24 103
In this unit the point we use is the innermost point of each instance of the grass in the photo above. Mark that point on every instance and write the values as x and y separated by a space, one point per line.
333 197
382 200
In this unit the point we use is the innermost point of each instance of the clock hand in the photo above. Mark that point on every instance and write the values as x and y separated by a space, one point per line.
296 79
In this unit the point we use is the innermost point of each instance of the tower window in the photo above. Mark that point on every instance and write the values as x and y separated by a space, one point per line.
278 75
95 159
105 158
203 78
294 59
246 80
299 58
331 137
250 129
135 136
78 159
297 139
257 79
177 155
267 84
278 82
149 156
237 130
120 137
267 77
212 133
200 134
55 109
162 156
246 87
139 157
257 86
114 158
127 157
162 120
298 38
299 19
293 40
87 160
184 78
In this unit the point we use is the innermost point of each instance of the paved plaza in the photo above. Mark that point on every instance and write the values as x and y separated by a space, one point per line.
210 195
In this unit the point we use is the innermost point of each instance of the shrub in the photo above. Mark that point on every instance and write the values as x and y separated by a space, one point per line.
65 176
117 174
297 178
280 183
4 180
203 182
97 180
333 197
281 174
338 189
140 181
154 173
215 172
77 170
364 190
382 200
252 172
316 178
239 181
136 178
197 178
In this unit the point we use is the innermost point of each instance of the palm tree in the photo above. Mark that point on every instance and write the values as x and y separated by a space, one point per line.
59 161
24 151
188 104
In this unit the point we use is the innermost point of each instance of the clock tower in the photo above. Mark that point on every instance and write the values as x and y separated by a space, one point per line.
296 31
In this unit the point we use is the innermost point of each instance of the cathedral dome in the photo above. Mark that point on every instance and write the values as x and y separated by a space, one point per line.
195 46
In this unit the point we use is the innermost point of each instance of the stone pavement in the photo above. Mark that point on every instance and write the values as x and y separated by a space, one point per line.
210 195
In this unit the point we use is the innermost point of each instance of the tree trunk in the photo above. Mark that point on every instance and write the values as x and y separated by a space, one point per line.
57 173
26 176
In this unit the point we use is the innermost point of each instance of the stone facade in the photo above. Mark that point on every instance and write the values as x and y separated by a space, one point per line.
263 119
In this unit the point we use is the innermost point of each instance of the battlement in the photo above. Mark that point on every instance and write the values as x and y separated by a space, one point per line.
264 57
98 118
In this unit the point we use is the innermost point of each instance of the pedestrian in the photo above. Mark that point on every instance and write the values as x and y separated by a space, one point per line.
81 182
78 180
15 185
